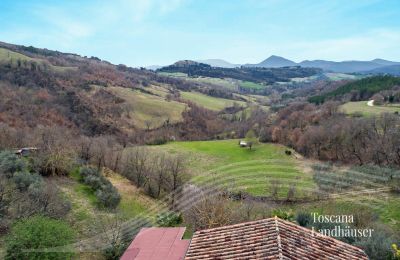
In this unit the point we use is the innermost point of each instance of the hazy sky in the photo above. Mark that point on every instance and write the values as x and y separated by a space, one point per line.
146 32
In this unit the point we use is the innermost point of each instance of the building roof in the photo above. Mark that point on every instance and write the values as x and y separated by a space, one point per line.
157 244
271 238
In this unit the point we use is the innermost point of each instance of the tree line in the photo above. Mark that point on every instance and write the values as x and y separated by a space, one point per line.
322 132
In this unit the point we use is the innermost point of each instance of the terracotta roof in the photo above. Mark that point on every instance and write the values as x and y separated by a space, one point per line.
271 238
157 244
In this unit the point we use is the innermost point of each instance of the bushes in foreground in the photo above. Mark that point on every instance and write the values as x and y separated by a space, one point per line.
105 192
36 238
23 192
169 219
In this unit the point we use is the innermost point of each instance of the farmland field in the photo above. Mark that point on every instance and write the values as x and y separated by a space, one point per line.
146 107
251 85
362 107
209 102
241 169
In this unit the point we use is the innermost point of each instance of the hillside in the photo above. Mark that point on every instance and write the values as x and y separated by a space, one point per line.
257 75
360 89
389 69
273 62
219 63
242 170
91 96
354 66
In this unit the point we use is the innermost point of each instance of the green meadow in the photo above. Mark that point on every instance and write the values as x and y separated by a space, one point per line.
212 103
237 169
362 108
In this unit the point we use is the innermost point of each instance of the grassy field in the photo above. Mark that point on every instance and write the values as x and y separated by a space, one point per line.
251 85
11 56
341 76
240 169
88 220
173 74
149 108
362 108
209 102
6 55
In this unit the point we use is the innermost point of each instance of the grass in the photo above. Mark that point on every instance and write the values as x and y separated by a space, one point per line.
246 113
341 76
82 189
362 108
242 169
6 55
173 74
385 206
133 202
209 102
11 56
147 108
84 202
226 83
251 85
85 216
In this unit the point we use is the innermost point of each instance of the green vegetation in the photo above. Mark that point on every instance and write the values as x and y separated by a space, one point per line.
252 74
133 202
104 191
209 102
173 74
42 234
365 88
7 56
241 169
361 107
169 219
149 110
251 85
341 76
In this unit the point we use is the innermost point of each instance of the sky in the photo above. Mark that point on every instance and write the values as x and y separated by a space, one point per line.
160 32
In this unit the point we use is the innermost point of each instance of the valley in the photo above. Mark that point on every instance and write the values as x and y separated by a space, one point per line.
110 149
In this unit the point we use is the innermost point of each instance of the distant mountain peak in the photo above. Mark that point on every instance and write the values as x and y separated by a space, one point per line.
384 62
274 61
219 63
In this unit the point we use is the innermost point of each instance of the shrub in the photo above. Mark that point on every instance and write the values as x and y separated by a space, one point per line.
105 192
108 196
169 219
157 141
379 245
84 172
10 163
286 215
24 179
94 182
40 233
396 251
303 218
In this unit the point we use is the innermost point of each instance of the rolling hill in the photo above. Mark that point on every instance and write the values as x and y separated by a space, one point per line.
363 88
219 63
354 66
273 62
390 69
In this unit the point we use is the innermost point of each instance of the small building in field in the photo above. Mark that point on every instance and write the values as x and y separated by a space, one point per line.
271 238
25 151
243 143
